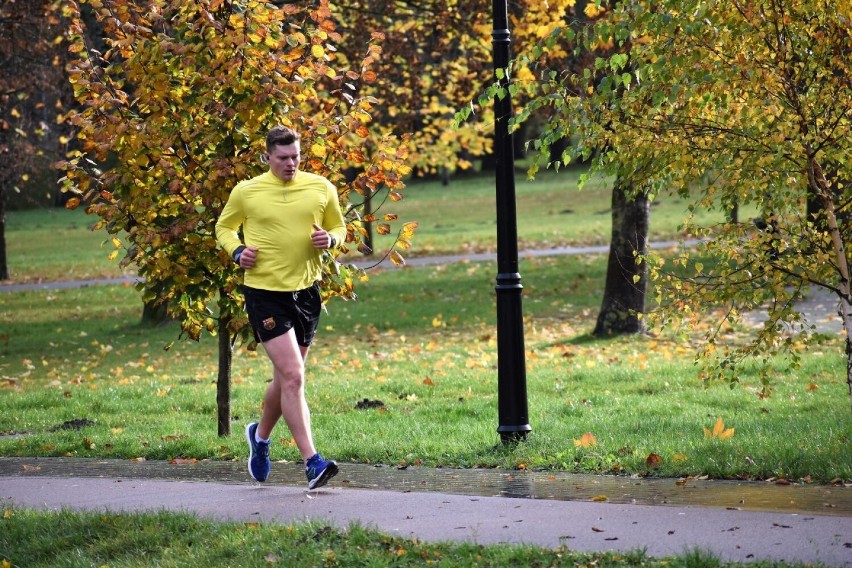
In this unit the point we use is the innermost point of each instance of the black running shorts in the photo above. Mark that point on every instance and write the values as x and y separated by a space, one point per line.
273 313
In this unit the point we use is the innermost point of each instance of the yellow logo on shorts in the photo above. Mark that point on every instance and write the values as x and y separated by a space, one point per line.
269 323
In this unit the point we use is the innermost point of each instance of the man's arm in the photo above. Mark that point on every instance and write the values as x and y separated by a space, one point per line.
227 227
333 220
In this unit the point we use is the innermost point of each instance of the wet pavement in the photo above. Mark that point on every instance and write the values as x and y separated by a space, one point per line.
556 486
736 521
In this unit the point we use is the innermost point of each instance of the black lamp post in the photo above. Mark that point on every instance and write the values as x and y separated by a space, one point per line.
511 372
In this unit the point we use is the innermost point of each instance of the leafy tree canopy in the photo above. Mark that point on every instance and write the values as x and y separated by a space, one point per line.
747 102
174 113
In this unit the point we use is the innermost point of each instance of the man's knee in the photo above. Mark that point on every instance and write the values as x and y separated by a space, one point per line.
292 378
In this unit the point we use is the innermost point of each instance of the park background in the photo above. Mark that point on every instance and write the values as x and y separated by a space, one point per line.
405 374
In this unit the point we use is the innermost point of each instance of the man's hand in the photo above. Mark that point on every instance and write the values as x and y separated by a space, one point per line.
248 257
320 238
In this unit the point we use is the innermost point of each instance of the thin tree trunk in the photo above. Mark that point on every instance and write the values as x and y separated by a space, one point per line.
734 213
154 314
4 262
223 382
626 280
368 227
821 188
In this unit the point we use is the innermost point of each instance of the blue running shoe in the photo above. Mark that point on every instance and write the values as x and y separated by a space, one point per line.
258 461
319 471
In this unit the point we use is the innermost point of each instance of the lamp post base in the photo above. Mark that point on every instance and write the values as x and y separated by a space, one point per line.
513 434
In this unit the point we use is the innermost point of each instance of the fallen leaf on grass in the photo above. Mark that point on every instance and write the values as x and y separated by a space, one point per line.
719 431
653 461
175 461
587 440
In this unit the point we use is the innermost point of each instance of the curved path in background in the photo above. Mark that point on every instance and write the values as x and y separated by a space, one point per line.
820 308
366 264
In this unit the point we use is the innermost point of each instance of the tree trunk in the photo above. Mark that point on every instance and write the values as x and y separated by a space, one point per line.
626 280
223 382
4 262
821 188
734 213
155 314
368 227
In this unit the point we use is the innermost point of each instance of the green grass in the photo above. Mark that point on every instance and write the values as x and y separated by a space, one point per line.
62 538
57 244
422 341
550 212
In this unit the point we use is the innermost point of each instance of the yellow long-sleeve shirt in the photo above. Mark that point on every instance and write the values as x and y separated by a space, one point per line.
276 217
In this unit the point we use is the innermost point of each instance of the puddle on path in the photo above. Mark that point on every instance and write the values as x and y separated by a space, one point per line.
754 496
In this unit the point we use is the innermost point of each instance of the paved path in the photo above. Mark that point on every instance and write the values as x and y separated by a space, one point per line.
470 507
367 264
821 308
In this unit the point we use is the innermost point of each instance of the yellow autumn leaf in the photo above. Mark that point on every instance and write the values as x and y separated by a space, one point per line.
408 230
587 440
318 150
396 258
317 51
719 431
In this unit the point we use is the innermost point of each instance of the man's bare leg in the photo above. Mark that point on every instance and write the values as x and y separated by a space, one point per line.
285 395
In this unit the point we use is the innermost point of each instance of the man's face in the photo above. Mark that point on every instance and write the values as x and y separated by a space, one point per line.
284 160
